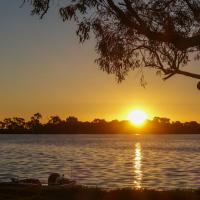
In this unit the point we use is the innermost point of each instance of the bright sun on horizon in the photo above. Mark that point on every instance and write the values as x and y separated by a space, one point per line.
137 117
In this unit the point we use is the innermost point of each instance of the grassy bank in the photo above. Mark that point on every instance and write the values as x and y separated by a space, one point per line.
83 193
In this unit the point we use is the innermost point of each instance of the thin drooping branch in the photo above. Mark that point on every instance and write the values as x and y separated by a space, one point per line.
45 9
173 70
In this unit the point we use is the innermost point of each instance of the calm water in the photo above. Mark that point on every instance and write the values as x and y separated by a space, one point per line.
112 161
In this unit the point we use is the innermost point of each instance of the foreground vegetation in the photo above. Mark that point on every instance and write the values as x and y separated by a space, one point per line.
83 193
72 125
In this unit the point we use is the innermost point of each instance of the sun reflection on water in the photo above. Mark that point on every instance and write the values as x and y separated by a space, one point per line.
137 166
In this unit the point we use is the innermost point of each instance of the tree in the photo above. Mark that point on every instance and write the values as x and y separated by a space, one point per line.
99 121
131 34
19 123
55 120
36 117
72 120
2 125
162 120
8 123
34 123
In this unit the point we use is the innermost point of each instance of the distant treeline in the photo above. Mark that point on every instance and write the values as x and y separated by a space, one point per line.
72 125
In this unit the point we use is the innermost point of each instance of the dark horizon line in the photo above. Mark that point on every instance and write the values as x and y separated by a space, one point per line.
96 118
73 125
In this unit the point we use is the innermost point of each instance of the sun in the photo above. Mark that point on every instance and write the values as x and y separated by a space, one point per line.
137 117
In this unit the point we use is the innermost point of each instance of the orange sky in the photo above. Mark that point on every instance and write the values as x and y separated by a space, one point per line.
44 69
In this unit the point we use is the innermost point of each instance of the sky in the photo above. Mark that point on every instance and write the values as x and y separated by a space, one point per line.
43 68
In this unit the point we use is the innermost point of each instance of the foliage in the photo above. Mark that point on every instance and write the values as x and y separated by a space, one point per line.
55 125
132 34
34 123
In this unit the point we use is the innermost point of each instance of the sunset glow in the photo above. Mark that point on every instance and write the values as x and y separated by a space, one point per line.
29 77
137 117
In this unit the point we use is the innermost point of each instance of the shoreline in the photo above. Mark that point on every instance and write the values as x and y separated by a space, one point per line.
88 193
92 133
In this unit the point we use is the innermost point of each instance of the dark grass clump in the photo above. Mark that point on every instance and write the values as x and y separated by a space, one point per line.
85 193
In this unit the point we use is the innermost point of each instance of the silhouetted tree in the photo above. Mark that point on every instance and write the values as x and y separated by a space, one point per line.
36 117
55 120
2 125
72 120
99 121
192 124
18 122
159 125
34 123
177 124
130 34
163 120
8 123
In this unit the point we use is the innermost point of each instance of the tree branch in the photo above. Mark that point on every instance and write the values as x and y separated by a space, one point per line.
46 9
189 74
179 41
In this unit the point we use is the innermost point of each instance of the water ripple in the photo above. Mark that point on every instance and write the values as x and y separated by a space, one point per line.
111 161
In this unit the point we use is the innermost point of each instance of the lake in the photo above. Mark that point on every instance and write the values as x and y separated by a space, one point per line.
107 161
